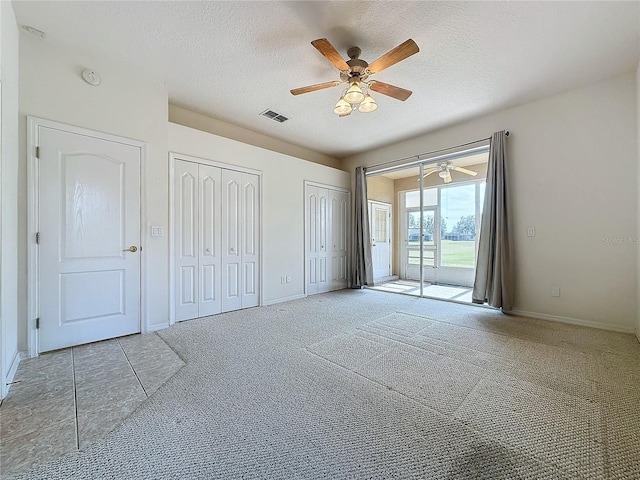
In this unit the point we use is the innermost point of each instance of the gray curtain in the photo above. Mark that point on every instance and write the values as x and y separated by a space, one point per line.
361 263
494 282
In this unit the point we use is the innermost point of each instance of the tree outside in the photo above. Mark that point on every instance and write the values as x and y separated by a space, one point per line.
465 227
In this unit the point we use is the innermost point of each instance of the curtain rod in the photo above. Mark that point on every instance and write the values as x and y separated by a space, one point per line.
417 157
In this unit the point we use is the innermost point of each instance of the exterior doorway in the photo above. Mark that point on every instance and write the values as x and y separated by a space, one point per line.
380 226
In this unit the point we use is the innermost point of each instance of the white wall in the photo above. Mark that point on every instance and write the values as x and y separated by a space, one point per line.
638 186
282 196
123 104
218 127
574 171
8 195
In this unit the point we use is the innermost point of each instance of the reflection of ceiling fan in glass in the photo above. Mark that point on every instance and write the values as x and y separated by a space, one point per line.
444 171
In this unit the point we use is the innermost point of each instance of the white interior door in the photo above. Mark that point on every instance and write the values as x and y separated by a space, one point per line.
231 243
323 220
380 228
250 240
217 239
186 239
240 240
209 240
89 252
339 238
317 224
311 238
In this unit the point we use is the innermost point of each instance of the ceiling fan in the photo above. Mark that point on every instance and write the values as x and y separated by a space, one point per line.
444 171
356 72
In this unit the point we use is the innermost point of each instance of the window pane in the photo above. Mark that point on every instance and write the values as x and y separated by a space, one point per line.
413 228
381 226
430 198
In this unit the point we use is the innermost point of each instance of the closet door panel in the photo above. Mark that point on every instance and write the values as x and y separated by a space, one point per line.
340 225
186 239
210 255
323 221
311 239
250 204
231 240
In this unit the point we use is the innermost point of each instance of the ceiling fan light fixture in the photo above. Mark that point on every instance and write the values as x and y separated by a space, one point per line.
342 108
368 104
443 173
354 94
356 72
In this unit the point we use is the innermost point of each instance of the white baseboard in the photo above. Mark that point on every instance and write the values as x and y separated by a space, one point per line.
573 321
285 299
11 373
155 328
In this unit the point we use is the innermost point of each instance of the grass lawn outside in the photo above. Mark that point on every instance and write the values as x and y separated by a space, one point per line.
458 253
455 253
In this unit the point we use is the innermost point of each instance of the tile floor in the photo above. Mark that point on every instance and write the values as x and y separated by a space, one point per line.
68 399
442 292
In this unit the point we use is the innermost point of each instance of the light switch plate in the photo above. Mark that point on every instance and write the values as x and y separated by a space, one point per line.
157 231
531 232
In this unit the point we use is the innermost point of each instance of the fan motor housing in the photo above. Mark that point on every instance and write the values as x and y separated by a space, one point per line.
357 67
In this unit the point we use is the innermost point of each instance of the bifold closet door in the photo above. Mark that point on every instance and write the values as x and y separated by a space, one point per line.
186 232
318 221
339 202
197 214
240 243
210 240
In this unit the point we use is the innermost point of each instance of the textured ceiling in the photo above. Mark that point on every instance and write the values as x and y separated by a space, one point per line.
232 60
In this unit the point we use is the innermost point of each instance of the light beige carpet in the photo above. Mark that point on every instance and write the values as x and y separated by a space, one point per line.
370 385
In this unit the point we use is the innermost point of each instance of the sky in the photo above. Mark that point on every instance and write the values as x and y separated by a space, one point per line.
456 201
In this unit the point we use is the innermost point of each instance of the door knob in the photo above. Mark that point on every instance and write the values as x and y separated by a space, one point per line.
132 248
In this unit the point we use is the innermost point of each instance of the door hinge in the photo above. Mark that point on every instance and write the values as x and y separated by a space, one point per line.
37 152
38 238
38 322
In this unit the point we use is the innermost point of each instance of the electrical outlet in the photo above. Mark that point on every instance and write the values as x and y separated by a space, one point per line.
555 291
283 279
531 232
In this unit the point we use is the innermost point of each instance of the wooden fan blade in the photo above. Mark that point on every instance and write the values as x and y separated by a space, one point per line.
313 88
394 56
330 53
447 179
390 90
464 170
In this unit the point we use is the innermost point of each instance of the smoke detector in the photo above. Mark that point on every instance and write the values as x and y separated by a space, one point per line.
91 77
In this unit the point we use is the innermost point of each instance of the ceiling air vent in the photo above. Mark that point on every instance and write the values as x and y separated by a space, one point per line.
274 116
